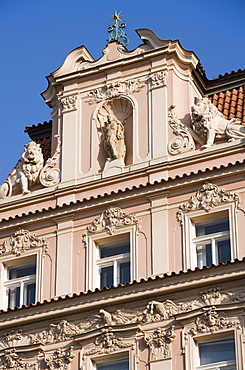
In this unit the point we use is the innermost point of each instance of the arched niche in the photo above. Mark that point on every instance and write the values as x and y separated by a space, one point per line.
120 110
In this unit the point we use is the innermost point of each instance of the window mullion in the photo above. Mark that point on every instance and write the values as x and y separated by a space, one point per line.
22 287
214 251
115 272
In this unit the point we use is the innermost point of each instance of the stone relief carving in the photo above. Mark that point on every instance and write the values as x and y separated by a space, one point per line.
158 311
183 142
206 198
59 359
114 90
159 79
30 171
12 360
209 124
211 321
21 241
159 342
69 103
111 219
107 342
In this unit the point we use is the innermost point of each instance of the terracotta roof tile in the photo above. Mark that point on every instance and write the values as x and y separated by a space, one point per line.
231 103
46 147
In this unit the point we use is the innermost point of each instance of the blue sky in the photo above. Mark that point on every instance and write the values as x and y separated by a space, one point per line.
36 36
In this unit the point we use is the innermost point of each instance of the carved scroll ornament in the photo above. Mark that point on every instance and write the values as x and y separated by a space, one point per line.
59 359
111 219
69 103
114 90
183 141
21 241
107 342
206 198
159 79
159 342
211 321
12 360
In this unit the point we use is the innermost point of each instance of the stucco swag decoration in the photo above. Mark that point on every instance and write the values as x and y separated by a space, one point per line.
114 90
31 170
206 198
111 219
20 242
208 126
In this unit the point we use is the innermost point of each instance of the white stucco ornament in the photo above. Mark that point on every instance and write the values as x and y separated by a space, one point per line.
31 170
209 124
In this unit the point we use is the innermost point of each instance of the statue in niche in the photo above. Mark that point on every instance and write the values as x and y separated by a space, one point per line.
114 138
209 124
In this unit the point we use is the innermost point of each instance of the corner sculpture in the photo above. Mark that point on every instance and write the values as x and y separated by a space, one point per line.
31 170
208 126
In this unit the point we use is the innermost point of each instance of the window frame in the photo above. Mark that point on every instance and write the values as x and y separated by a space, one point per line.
192 361
90 362
200 216
96 240
11 261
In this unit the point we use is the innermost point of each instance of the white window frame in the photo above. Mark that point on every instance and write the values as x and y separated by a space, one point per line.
93 262
192 351
190 219
11 261
90 362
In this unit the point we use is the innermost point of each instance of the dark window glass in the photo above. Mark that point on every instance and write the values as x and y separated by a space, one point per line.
114 250
18 272
224 250
212 352
212 228
30 293
120 365
106 276
124 272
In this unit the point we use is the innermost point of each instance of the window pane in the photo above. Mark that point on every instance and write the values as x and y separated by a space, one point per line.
124 272
120 365
18 272
212 228
14 297
217 351
113 250
224 251
30 294
204 255
106 276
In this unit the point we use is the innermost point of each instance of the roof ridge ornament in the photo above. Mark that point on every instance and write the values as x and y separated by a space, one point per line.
116 30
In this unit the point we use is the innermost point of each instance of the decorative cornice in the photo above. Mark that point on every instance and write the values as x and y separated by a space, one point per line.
159 342
111 219
206 198
21 241
114 90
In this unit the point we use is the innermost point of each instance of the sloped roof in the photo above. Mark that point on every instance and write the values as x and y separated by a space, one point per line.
231 103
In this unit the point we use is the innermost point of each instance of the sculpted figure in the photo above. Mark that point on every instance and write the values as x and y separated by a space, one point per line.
26 172
114 138
208 123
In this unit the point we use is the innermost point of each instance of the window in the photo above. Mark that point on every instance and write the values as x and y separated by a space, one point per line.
113 262
116 365
212 242
217 355
20 284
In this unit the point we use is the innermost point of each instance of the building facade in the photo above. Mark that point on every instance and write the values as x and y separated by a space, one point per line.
122 224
